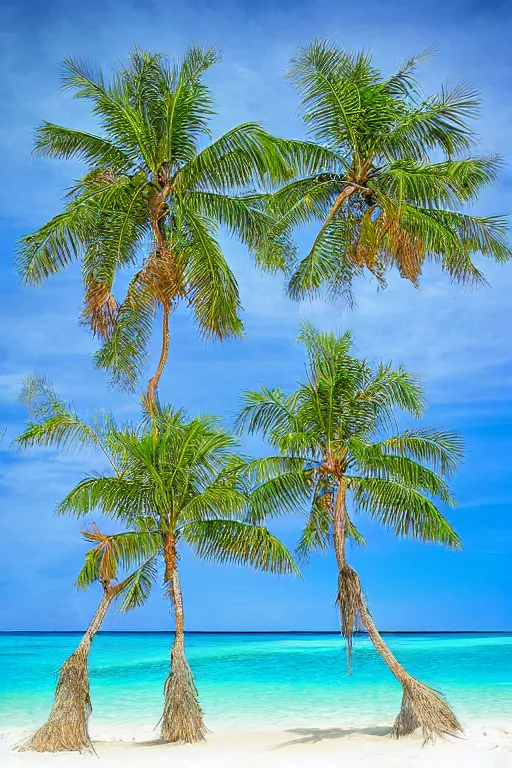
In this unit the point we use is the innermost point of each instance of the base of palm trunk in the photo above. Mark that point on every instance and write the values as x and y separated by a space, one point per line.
182 719
424 708
66 728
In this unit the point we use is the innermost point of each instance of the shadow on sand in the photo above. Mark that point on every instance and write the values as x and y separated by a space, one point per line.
314 735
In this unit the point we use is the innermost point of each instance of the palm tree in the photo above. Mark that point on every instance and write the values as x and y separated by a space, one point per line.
179 481
151 201
400 173
339 426
66 728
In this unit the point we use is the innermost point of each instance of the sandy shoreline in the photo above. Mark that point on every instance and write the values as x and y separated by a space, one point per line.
481 746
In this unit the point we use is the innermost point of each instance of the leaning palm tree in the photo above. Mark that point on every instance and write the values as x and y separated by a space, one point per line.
151 201
340 427
180 481
66 728
394 195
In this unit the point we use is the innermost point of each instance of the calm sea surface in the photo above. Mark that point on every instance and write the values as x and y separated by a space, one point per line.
258 680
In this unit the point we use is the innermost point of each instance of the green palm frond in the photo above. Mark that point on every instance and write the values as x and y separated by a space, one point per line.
442 121
402 82
403 510
447 183
113 496
316 534
55 141
278 487
442 450
53 422
230 541
88 574
375 462
120 120
266 411
327 263
390 388
330 81
213 291
53 246
136 588
124 352
114 553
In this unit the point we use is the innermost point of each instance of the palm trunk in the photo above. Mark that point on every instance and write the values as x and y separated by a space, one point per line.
164 353
421 706
346 193
182 718
66 728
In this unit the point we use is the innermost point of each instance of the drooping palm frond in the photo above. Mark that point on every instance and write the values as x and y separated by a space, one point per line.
231 541
316 534
136 588
442 450
53 422
276 487
403 510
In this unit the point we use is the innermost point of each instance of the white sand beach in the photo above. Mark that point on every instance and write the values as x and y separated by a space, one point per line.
480 747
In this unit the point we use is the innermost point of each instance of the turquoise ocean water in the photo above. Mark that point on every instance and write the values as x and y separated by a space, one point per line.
258 680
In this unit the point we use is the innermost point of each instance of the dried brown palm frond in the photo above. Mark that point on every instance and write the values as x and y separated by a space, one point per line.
349 600
100 308
398 247
406 252
182 718
66 728
423 707
163 277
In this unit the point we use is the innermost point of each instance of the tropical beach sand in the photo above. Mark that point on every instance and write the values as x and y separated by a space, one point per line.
480 747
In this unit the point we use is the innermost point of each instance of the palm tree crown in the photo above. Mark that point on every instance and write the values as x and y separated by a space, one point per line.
184 480
338 422
151 200
399 175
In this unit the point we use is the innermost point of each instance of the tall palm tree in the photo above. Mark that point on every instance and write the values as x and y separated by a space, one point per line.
179 481
399 175
339 428
66 728
151 202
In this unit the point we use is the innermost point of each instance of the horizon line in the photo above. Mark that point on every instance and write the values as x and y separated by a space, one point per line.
256 632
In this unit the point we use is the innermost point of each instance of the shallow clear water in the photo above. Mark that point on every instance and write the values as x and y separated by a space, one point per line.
258 680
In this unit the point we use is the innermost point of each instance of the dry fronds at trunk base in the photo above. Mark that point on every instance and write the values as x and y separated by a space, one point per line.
66 728
182 719
424 708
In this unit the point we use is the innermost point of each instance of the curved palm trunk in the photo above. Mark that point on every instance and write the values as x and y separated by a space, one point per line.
182 718
421 706
66 728
164 354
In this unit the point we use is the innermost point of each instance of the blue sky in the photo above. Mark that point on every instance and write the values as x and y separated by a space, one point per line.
458 341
